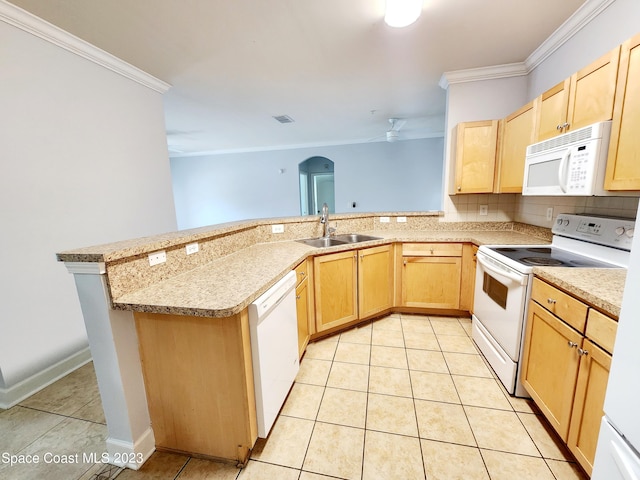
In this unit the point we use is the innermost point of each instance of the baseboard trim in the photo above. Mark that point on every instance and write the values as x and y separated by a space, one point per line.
16 393
131 454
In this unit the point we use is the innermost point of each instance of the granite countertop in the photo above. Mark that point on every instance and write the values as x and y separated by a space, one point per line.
600 287
229 284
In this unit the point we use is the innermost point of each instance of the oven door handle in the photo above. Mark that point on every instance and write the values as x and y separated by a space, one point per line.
519 279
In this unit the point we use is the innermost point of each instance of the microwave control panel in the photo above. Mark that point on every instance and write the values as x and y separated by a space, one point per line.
579 171
610 231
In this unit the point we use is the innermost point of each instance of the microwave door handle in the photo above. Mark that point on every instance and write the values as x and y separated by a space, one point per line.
511 276
562 171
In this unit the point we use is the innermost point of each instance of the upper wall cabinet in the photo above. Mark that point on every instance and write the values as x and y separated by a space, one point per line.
475 154
518 132
623 165
585 98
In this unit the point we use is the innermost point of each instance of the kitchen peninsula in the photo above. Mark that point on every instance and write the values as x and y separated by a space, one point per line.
176 333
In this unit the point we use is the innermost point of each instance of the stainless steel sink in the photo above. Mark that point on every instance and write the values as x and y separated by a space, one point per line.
322 242
337 240
355 238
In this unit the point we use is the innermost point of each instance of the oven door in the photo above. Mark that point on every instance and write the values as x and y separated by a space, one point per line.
499 303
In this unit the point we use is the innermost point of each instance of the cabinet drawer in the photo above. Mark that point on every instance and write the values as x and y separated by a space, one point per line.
302 272
432 249
601 329
572 311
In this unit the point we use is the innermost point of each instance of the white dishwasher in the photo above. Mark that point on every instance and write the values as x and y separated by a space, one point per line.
274 349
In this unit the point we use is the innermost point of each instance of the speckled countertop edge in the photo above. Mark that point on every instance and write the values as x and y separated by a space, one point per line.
229 284
599 287
128 248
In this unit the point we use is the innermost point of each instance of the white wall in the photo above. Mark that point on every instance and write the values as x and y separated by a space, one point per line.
401 176
84 161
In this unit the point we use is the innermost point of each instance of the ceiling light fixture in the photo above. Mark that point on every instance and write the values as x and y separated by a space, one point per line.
401 13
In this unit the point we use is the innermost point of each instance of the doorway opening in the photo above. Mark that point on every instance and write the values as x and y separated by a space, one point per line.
316 185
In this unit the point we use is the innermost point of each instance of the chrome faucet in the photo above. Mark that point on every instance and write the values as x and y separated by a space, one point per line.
324 220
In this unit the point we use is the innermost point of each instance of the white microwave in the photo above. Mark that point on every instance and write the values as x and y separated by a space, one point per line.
572 164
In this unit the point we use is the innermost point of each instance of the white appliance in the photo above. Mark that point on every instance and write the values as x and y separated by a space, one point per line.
504 276
274 349
617 452
573 163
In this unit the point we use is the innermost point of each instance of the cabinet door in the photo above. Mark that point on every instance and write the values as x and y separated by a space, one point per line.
588 404
302 310
518 134
475 155
335 289
431 282
375 280
550 366
468 278
623 166
551 111
592 91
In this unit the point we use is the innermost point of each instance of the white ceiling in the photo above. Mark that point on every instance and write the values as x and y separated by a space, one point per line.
331 65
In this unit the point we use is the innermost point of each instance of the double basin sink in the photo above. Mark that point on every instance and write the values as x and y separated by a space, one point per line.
338 240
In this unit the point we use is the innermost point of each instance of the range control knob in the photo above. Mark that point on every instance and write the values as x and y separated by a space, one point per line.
565 223
559 221
620 231
630 232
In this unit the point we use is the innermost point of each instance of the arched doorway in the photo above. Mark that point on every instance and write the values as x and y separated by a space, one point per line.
316 185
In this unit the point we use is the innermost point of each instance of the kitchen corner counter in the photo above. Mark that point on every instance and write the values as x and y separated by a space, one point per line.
227 285
600 287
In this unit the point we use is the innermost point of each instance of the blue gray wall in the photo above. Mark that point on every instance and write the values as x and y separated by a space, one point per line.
401 176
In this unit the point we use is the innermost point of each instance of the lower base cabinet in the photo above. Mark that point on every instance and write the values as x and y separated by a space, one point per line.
431 275
198 376
565 370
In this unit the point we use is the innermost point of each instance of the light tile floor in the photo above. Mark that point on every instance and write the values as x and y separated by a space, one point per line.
405 397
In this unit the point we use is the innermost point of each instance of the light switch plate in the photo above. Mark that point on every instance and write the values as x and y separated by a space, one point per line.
277 228
156 258
484 210
192 248
384 219
401 219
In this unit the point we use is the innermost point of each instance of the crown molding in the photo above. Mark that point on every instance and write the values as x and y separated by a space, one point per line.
576 22
482 73
29 23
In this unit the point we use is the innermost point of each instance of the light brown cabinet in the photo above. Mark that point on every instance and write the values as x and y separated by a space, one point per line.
623 166
335 288
586 97
375 280
475 157
518 132
304 303
468 278
566 361
431 275
198 376
352 285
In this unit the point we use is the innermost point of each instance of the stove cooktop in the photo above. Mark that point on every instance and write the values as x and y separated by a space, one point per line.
549 257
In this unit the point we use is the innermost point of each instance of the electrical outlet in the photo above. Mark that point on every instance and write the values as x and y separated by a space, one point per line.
192 248
384 219
157 258
484 210
401 219
550 213
277 228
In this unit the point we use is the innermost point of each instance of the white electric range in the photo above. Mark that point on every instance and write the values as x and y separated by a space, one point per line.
504 276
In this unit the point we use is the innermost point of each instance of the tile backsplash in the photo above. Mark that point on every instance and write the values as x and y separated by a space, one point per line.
532 210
